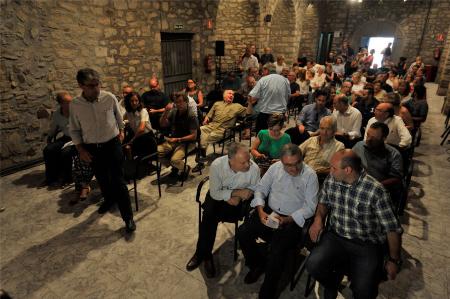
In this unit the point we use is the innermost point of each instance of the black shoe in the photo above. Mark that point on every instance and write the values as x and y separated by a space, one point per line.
193 263
173 173
104 207
130 226
253 275
198 167
210 269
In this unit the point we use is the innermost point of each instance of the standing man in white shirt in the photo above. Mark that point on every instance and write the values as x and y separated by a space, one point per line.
96 128
232 180
348 121
290 187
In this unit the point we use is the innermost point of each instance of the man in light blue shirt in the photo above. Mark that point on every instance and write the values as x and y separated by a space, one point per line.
233 179
291 188
272 93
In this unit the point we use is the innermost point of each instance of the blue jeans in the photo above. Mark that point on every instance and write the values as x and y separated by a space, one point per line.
336 256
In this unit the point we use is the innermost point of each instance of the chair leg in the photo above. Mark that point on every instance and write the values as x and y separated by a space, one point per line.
296 277
310 284
135 194
158 176
235 241
445 135
184 167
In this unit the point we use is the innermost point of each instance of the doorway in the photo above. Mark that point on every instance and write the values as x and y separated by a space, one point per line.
176 54
379 44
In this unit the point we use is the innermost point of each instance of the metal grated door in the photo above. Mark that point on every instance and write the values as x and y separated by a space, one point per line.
176 56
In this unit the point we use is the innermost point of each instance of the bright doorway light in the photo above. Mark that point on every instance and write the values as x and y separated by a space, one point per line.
379 44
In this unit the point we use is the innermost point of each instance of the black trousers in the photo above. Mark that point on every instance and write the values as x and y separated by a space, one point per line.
335 256
214 211
58 161
280 242
107 164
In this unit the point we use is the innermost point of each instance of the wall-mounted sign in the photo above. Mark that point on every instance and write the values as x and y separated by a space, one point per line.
337 34
178 26
440 37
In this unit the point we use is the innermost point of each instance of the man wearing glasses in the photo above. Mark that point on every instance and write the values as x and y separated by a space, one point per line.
284 198
399 135
97 130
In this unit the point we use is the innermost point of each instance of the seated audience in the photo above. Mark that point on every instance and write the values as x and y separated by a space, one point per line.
400 110
366 105
401 67
267 57
317 150
346 88
399 135
392 80
268 143
319 79
378 92
348 121
339 68
294 96
279 64
404 91
361 221
57 158
193 93
155 102
418 105
182 128
232 181
418 64
380 160
309 119
125 90
140 136
287 194
222 116
358 86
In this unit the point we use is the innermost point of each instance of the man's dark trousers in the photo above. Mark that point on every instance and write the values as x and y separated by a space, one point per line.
107 164
335 256
280 240
214 211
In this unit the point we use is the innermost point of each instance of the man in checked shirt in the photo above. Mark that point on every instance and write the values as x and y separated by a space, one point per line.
361 219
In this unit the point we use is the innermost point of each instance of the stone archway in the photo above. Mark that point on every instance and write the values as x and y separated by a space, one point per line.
382 28
283 38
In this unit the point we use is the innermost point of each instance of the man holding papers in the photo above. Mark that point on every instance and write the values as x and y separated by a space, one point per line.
290 187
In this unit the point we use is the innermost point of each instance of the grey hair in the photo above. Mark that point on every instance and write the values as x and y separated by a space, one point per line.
332 121
225 91
234 148
291 149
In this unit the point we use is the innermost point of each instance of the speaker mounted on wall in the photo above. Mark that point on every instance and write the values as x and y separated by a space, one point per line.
220 48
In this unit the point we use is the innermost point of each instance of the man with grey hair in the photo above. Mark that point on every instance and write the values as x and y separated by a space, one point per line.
284 199
272 93
318 150
97 130
222 116
232 181
348 119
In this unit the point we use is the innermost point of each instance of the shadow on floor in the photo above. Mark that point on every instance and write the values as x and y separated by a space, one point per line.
53 258
33 179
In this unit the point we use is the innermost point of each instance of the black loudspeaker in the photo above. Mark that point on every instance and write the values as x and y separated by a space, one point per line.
220 48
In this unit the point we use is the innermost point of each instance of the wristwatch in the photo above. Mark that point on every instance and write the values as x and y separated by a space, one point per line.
398 262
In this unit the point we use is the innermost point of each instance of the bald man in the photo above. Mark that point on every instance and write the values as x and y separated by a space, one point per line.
361 221
155 102
399 135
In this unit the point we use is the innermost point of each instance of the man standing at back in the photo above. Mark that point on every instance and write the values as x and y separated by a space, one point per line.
272 93
96 128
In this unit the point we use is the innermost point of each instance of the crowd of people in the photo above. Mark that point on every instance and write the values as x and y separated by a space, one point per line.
340 167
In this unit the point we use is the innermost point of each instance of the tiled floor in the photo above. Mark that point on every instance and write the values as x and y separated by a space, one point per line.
50 249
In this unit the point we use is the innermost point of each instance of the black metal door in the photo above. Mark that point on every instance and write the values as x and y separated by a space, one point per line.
176 56
324 46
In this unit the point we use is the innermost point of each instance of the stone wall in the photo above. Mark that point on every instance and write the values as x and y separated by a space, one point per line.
44 43
408 20
443 77
310 32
